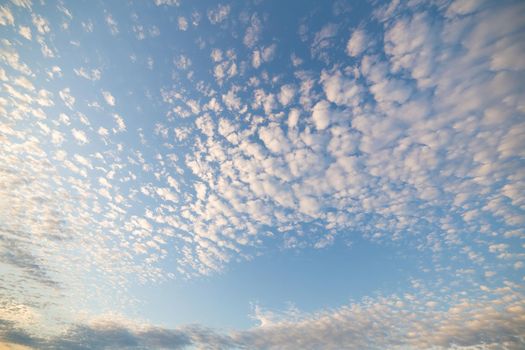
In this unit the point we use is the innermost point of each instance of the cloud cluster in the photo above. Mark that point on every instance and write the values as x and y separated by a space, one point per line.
415 138
402 141
394 322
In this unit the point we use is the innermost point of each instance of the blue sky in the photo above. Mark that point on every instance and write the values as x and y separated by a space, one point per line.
262 174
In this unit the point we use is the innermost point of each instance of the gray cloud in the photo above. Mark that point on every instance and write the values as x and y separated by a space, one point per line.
406 322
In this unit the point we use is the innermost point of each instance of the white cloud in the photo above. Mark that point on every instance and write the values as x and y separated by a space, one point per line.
216 55
287 94
340 90
121 126
89 74
219 14
256 59
357 43
112 24
108 97
183 23
253 32
46 50
268 53
231 100
6 17
274 139
323 40
103 132
80 136
167 2
321 115
25 83
293 118
25 32
296 61
41 24
66 96
22 3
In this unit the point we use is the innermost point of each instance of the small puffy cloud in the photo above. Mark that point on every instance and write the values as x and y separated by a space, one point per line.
166 194
274 138
80 136
46 50
287 94
24 82
309 205
357 43
25 32
65 95
268 53
340 90
296 60
89 74
112 24
231 100
218 14
167 2
293 118
321 115
103 132
41 24
108 97
183 23
256 59
216 55
22 3
253 32
6 17
121 126
323 40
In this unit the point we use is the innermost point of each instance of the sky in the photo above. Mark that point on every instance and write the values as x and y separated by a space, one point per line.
262 174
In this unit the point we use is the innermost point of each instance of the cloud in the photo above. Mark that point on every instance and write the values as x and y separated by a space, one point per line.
183 23
22 3
218 14
167 2
321 115
112 24
389 323
394 322
108 97
89 74
6 17
357 43
41 24
287 94
25 32
253 32
340 90
416 143
69 100
25 83
324 40
80 136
